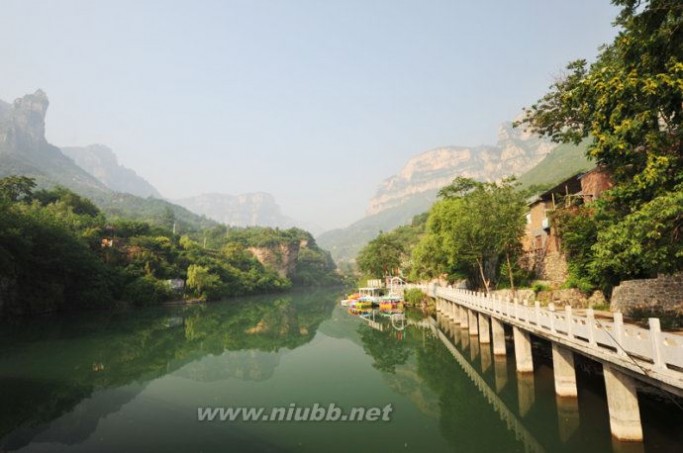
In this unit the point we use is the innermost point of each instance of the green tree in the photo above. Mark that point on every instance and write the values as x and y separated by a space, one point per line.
382 256
202 281
472 230
14 188
630 100
79 205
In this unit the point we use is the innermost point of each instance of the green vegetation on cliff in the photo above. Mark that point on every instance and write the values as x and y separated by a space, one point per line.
58 251
561 163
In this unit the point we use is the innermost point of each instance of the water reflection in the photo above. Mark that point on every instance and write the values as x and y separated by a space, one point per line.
567 417
501 372
50 366
153 370
525 392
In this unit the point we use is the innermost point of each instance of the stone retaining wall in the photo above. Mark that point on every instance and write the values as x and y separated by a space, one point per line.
664 292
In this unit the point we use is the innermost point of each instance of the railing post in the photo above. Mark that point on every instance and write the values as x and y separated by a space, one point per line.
656 338
569 320
619 333
537 310
590 315
551 308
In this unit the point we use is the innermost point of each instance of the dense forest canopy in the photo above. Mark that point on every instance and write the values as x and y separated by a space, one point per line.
58 251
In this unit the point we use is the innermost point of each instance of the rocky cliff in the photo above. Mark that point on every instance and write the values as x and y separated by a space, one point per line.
23 123
514 153
25 151
101 162
249 209
282 257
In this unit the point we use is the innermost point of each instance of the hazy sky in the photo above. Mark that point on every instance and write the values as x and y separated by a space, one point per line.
314 101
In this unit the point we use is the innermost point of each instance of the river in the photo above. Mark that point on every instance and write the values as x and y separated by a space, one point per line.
136 381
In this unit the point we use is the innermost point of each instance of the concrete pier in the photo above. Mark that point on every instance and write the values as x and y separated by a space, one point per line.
523 359
472 322
474 348
568 334
464 338
484 329
622 403
463 317
498 337
563 369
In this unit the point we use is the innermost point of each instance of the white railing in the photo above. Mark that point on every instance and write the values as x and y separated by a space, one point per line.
649 352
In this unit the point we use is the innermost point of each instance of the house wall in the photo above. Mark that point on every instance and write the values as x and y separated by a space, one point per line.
542 246
594 183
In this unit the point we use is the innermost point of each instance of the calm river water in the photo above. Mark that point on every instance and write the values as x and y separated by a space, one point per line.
134 381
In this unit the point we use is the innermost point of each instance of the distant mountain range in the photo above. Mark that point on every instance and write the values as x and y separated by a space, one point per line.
94 172
414 188
239 210
101 162
25 151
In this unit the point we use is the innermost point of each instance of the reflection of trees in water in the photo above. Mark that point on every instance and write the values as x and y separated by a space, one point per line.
397 354
386 348
285 322
421 368
244 365
47 366
462 408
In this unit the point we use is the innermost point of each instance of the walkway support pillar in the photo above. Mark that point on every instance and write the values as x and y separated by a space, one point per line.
472 322
563 369
622 402
523 359
498 337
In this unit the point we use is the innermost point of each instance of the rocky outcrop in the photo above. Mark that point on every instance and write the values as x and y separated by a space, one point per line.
282 258
23 124
101 162
250 209
25 151
515 152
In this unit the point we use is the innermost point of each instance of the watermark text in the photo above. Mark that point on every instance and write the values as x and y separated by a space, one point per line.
294 413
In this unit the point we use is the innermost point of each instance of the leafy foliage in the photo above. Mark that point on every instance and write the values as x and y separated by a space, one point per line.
630 100
472 231
415 296
390 253
59 252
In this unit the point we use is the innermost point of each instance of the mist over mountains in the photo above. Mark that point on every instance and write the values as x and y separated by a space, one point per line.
414 188
101 162
239 210
94 172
